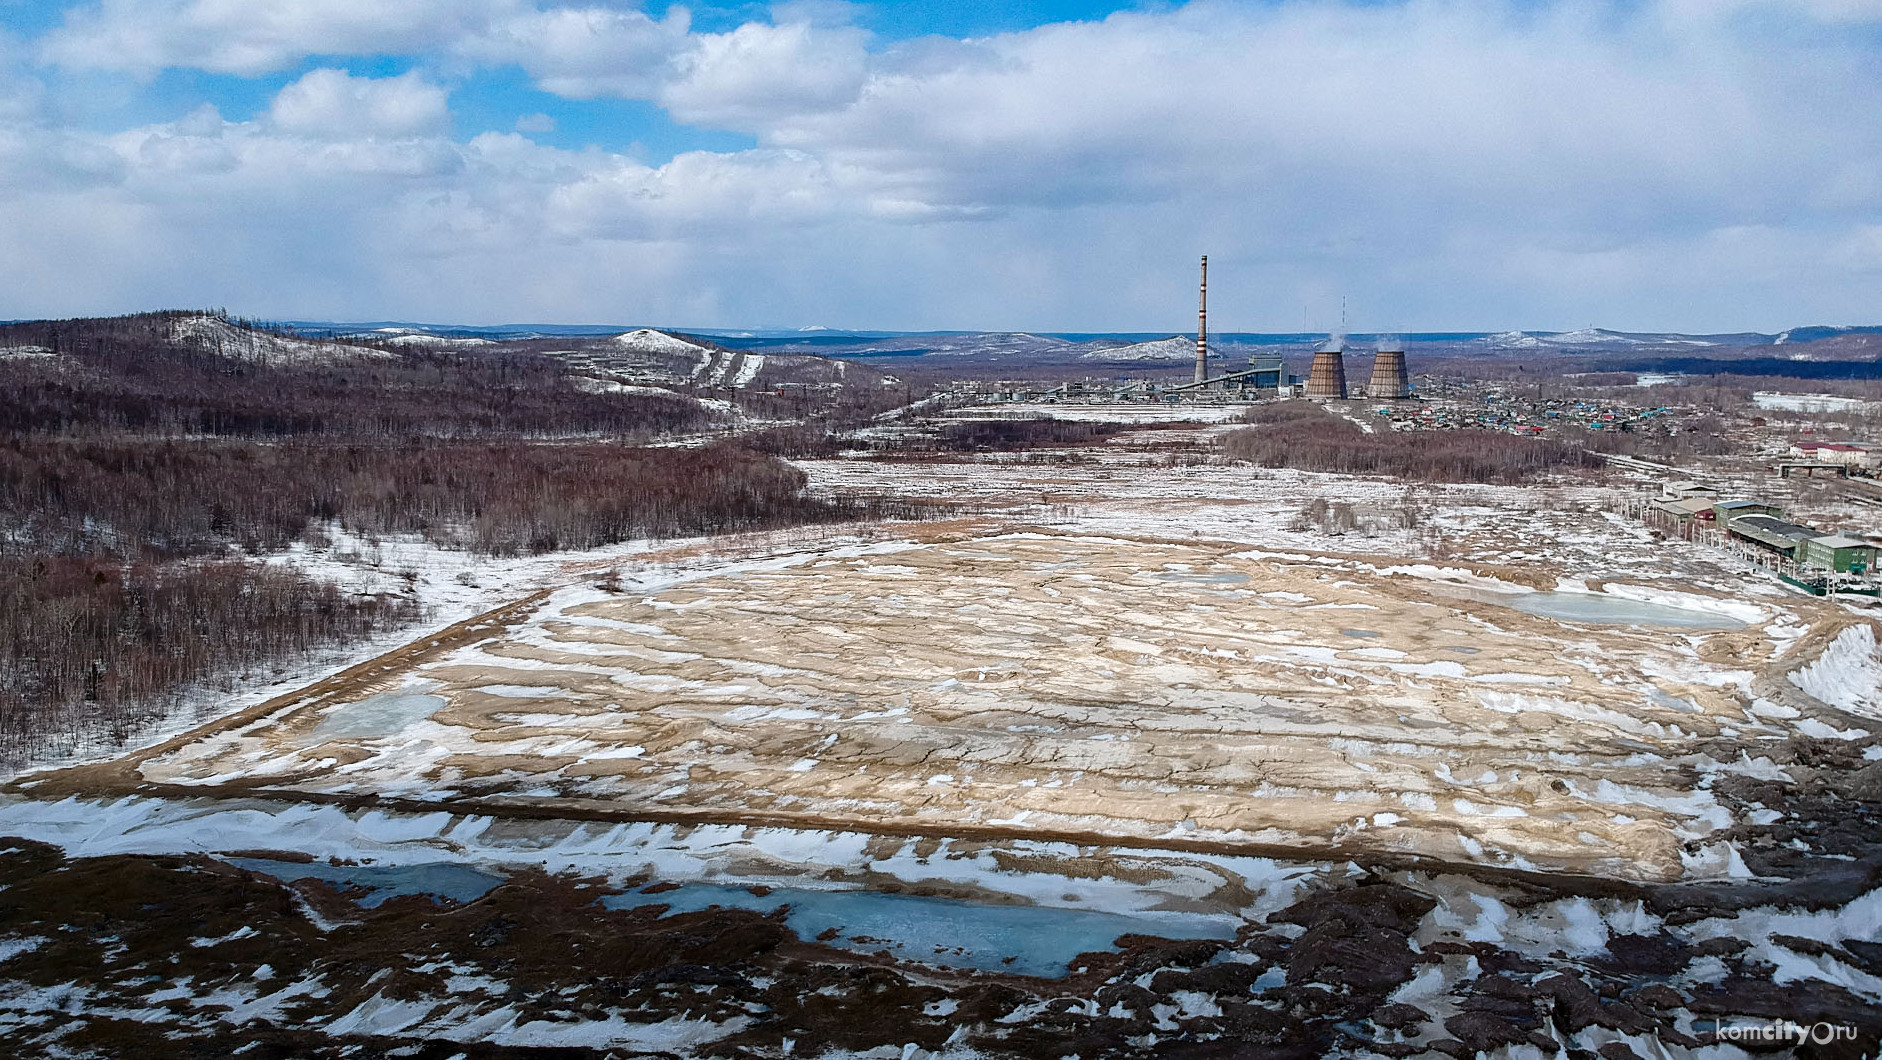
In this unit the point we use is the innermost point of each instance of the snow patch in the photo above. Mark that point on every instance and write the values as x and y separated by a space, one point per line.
1848 675
216 335
647 340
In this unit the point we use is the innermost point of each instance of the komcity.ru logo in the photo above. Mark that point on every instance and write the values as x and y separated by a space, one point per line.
1786 1031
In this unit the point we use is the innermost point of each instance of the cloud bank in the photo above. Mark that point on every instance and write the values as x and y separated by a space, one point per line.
1438 163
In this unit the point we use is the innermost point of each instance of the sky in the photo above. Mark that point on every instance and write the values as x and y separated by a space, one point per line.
1042 165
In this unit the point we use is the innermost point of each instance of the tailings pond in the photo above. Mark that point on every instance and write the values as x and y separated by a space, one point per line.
1604 609
1022 939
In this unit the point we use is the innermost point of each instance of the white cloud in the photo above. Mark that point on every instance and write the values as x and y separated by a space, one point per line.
255 36
1232 100
1442 163
698 195
334 105
583 53
1834 12
808 60
757 74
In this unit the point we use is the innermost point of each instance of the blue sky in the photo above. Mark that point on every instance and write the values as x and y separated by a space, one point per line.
1696 165
494 98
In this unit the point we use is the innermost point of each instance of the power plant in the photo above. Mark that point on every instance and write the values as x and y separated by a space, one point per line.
1265 378
1326 379
1389 380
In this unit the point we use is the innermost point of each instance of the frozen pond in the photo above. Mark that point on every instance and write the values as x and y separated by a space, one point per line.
1023 939
1614 610
378 716
1193 578
443 879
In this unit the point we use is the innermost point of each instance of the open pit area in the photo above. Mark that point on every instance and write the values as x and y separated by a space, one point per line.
1095 688
1137 756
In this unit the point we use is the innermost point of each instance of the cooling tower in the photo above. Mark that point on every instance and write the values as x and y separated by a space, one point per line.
1326 380
1389 381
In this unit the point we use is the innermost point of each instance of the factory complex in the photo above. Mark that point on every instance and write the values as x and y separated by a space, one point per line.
1810 558
1265 378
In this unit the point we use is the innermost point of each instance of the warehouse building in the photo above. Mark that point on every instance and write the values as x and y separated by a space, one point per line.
1726 511
1685 491
1837 552
1687 509
1771 533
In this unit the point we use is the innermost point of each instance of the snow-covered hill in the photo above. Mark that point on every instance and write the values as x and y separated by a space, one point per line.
1174 348
218 335
1587 337
414 337
647 340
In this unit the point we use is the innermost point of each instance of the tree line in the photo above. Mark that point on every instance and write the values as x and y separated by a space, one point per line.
95 646
1301 435
140 499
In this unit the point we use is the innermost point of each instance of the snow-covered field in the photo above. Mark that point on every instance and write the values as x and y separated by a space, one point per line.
1812 403
1177 654
1065 684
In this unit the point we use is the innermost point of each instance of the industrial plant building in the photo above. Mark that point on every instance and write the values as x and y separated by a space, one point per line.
1838 552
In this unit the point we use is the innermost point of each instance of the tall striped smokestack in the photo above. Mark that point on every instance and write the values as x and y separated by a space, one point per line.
1202 325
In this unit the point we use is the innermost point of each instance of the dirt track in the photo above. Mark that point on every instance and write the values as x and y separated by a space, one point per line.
121 776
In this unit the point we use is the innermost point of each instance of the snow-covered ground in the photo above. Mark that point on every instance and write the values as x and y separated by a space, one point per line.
647 340
1813 403
1199 599
1459 942
404 337
229 340
452 585
1848 675
1174 348
1171 690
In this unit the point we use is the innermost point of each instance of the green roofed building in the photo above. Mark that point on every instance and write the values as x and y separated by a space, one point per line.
1837 552
1726 511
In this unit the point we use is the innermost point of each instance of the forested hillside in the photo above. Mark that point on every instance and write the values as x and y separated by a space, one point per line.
149 463
197 374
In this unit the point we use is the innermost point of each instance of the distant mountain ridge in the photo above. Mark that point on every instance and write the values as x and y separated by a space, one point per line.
609 359
959 341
